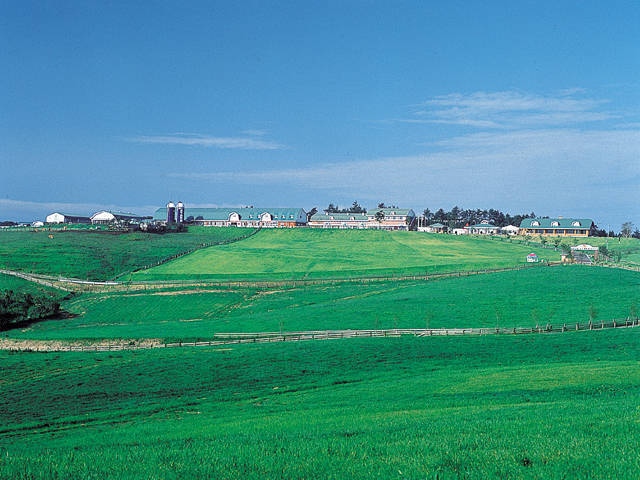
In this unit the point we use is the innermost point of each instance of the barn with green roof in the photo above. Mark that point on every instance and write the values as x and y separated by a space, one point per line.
240 217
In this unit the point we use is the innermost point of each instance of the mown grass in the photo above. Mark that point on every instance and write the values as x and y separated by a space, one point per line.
553 406
306 253
522 298
100 255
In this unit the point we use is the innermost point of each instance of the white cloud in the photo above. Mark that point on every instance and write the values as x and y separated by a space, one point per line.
190 139
512 110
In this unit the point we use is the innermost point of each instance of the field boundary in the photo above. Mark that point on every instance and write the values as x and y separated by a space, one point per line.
225 339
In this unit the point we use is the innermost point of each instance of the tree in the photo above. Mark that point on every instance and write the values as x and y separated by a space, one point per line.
356 208
627 229
379 216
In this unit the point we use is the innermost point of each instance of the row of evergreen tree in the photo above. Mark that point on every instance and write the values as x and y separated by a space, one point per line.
458 217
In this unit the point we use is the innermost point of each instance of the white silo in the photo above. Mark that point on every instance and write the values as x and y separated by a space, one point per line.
180 212
171 212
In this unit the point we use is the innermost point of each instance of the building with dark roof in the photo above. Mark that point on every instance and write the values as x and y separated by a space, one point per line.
557 227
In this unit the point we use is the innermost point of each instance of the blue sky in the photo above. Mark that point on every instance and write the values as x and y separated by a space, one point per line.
518 106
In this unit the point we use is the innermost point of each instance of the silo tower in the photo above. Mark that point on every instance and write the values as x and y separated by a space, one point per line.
180 212
171 212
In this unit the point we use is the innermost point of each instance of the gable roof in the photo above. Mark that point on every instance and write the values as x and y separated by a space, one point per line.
557 223
405 212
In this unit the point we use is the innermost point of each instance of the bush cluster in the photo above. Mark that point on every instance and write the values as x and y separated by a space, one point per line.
17 307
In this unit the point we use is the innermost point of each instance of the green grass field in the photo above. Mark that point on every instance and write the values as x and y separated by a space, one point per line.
303 253
99 255
472 407
547 406
520 298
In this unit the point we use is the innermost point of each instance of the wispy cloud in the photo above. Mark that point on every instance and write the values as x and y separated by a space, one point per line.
192 139
511 110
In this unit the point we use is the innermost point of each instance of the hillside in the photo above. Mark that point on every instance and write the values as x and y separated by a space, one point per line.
306 253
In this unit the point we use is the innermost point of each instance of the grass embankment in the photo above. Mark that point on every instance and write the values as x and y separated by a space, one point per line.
100 255
311 254
526 298
554 406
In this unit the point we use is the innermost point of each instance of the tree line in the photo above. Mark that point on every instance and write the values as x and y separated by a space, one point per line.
16 307
458 217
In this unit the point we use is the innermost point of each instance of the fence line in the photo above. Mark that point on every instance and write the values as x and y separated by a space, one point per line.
221 339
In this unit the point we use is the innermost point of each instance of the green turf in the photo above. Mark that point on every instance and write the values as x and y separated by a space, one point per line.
550 406
305 253
526 298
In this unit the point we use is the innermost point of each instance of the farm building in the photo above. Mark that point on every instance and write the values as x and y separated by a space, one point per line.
105 217
434 228
57 217
584 253
532 258
391 219
509 230
339 220
483 228
240 217
564 227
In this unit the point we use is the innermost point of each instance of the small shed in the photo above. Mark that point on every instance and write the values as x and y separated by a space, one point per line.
532 258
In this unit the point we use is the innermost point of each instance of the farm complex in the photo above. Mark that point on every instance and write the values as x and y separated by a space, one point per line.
287 345
384 218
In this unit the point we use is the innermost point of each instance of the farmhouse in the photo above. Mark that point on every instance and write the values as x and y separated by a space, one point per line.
240 217
57 217
339 220
391 219
483 228
379 218
564 227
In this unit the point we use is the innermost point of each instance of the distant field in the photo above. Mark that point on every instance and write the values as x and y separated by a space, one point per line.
535 296
99 255
549 406
305 253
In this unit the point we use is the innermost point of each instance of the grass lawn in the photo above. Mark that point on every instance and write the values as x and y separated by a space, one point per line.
552 406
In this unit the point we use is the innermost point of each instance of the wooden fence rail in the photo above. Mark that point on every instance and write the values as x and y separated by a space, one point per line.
220 339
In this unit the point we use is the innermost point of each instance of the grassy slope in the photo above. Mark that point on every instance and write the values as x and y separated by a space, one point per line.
553 406
554 295
95 255
304 253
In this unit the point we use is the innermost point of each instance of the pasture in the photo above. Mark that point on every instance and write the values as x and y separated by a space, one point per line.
99 255
519 298
549 406
311 254
525 406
